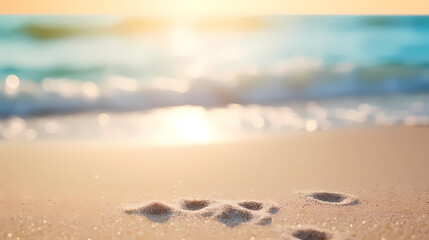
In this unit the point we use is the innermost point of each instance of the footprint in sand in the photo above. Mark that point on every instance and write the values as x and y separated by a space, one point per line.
265 221
229 213
201 207
233 216
195 204
155 211
251 205
273 210
332 198
311 234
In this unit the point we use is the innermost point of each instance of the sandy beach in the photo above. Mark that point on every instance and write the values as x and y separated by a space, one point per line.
341 184
280 127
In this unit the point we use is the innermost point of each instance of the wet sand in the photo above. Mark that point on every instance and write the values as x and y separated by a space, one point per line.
340 184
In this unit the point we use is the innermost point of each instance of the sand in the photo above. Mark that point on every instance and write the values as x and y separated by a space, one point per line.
342 184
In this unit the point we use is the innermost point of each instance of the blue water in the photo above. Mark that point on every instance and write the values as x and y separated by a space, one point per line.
110 63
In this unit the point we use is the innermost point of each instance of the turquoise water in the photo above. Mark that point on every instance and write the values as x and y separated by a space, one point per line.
111 63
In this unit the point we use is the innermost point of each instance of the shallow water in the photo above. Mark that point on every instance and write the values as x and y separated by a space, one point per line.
195 124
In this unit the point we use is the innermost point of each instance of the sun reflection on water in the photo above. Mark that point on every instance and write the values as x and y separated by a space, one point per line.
183 125
191 126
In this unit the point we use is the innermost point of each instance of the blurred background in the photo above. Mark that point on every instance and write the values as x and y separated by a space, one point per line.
199 80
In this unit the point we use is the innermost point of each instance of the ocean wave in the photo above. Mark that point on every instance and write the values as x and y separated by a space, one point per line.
195 124
298 78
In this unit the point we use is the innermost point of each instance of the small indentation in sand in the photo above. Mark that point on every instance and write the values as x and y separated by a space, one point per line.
157 208
265 221
195 204
311 234
208 214
155 211
251 205
273 210
329 197
333 198
232 216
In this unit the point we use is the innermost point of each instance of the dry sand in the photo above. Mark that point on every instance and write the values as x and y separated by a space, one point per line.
341 184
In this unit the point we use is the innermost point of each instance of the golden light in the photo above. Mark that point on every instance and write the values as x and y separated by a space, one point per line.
182 125
191 126
222 7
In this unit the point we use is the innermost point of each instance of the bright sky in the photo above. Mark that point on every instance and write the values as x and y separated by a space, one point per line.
214 7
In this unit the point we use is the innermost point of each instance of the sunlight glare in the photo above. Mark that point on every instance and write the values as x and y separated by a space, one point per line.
185 125
191 126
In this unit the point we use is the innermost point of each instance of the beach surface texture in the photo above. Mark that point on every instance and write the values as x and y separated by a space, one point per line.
368 183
